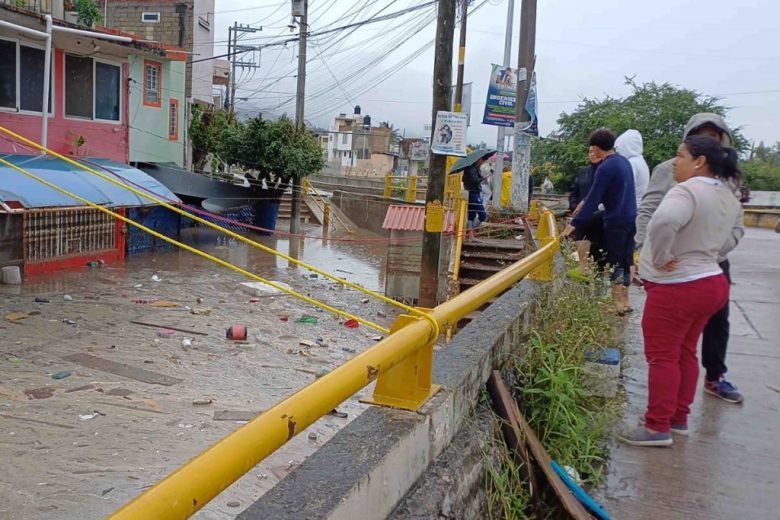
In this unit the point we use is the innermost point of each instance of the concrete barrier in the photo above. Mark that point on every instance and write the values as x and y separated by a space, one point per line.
367 468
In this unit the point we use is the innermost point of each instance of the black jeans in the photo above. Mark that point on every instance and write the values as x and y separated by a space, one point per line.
618 240
715 337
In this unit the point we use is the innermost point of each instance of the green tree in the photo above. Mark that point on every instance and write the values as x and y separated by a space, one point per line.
761 172
209 128
659 112
395 135
88 12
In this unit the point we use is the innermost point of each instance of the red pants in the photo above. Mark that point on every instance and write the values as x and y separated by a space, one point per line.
673 319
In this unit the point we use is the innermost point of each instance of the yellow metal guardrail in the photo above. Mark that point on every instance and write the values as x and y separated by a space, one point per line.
407 184
401 364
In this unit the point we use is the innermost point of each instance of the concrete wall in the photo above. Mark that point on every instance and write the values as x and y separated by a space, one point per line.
368 468
368 210
149 139
203 47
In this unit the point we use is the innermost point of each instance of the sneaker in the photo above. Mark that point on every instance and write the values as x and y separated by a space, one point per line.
723 389
644 437
679 429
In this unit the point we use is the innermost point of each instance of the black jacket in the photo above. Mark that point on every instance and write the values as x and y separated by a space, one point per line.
581 185
472 178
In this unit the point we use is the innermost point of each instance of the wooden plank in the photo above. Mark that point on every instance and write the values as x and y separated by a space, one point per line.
235 415
37 421
122 369
569 503
145 324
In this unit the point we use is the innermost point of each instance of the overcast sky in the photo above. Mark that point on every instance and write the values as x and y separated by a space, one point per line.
584 49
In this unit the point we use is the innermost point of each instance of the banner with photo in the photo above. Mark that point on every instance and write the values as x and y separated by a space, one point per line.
532 107
502 96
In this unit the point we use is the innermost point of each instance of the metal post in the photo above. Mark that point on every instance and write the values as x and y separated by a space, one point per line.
501 141
521 165
46 78
461 56
442 92
295 213
232 36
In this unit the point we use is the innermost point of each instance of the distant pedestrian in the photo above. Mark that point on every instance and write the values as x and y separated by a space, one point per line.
547 185
629 145
472 181
691 229
614 188
716 333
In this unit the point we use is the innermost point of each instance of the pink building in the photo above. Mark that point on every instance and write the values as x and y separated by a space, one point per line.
91 79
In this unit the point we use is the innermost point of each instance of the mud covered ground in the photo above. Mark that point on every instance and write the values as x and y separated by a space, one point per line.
81 446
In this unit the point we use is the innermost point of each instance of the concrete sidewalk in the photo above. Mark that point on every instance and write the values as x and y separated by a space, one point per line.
729 466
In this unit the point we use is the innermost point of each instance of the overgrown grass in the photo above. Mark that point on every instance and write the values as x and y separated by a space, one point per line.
547 380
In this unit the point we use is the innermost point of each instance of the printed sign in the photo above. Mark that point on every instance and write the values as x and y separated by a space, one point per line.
502 96
418 151
449 134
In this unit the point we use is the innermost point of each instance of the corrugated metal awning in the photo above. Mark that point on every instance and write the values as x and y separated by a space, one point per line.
32 194
401 217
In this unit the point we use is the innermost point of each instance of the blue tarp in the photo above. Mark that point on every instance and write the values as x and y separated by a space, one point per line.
32 194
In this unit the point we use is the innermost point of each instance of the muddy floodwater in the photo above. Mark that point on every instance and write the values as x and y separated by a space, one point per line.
78 441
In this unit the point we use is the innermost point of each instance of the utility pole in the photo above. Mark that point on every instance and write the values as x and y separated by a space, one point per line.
295 213
461 56
442 94
521 166
233 50
500 144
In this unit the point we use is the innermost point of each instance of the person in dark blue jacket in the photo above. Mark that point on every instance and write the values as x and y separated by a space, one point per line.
613 186
472 180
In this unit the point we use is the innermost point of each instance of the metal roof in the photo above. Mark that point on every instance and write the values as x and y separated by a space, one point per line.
401 217
32 194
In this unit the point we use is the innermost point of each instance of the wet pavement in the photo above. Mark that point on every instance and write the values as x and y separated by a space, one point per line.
83 445
729 466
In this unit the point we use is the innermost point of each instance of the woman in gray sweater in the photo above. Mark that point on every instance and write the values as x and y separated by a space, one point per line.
687 234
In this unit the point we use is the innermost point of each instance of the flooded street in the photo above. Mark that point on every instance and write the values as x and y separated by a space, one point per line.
82 434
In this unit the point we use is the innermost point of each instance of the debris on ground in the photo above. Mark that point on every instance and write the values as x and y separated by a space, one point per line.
202 311
336 413
351 324
40 393
16 316
60 375
202 402
307 318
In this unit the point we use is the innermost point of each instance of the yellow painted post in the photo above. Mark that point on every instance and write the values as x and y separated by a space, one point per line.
533 211
408 384
326 216
411 189
545 234
388 186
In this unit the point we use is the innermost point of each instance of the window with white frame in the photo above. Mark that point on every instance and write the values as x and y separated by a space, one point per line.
21 77
343 138
148 17
152 84
92 88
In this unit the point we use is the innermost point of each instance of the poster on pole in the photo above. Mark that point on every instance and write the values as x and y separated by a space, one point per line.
418 151
449 134
532 107
502 96
465 105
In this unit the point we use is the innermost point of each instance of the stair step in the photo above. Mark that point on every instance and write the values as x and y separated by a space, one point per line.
512 257
485 244
478 266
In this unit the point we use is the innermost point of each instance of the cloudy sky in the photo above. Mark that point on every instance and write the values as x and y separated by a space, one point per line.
584 49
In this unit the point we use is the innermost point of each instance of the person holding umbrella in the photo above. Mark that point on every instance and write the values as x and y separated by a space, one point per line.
472 179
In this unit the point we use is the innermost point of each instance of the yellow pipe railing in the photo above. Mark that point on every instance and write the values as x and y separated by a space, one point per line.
401 364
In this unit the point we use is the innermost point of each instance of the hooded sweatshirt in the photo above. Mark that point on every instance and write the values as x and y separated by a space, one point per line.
662 180
630 146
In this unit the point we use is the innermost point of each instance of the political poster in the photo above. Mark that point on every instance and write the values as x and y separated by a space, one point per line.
418 151
449 134
502 96
532 107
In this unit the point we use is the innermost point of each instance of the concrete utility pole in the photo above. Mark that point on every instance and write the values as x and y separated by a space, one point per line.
295 213
233 50
521 166
442 96
461 56
499 170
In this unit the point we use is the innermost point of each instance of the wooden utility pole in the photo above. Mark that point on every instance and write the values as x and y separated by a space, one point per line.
521 165
442 96
295 214
461 56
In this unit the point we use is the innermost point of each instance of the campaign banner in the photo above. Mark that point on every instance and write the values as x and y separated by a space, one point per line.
532 107
502 96
449 134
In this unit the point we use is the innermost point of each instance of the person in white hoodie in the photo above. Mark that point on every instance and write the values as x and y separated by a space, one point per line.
629 145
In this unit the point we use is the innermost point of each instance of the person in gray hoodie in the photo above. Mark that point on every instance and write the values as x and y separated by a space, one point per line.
629 144
716 332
